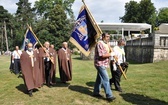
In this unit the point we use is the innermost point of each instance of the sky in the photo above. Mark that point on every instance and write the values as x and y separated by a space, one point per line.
107 10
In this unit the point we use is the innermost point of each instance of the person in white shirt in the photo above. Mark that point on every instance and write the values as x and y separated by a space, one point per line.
115 62
16 59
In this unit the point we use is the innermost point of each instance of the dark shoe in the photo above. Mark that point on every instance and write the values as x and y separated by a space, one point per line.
30 94
110 99
97 95
49 86
120 90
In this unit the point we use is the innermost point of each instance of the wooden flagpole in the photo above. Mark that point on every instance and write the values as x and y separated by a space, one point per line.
120 68
122 72
39 42
92 18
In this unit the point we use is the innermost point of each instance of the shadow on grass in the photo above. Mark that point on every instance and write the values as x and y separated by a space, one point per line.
84 90
22 88
60 84
77 58
141 99
91 84
81 89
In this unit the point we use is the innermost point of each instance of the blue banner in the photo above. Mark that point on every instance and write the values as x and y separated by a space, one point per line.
29 38
84 33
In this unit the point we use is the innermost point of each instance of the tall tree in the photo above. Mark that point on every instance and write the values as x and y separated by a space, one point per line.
163 15
24 13
59 26
42 30
143 12
43 7
131 12
147 12
4 27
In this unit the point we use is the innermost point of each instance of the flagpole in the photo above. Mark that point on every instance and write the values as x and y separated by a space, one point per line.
92 18
120 68
39 42
122 71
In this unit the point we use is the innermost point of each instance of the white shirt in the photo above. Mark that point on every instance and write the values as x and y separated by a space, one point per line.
16 54
120 54
47 58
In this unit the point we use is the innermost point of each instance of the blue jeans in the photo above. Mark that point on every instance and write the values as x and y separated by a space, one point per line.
102 79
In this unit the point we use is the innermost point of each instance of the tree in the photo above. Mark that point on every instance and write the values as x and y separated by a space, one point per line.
131 12
143 12
4 27
55 29
147 12
42 31
24 13
58 25
163 15
43 7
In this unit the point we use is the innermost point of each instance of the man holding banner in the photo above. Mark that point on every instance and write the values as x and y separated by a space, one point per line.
30 69
84 36
47 64
101 62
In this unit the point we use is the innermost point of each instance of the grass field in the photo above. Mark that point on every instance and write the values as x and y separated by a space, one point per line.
147 84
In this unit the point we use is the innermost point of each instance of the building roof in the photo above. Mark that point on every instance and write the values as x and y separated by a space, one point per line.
125 26
163 28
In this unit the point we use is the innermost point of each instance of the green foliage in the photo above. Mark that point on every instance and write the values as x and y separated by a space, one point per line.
54 25
55 29
43 7
131 12
41 30
76 53
7 18
4 15
163 15
147 12
24 13
143 12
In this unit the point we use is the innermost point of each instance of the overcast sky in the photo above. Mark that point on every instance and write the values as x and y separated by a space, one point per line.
106 10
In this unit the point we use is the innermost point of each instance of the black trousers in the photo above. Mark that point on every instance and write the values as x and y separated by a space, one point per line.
116 77
47 72
17 66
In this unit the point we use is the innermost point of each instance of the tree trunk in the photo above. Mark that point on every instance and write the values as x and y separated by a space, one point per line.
7 48
2 40
12 33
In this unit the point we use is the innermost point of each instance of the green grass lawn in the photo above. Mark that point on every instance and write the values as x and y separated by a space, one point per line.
147 84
